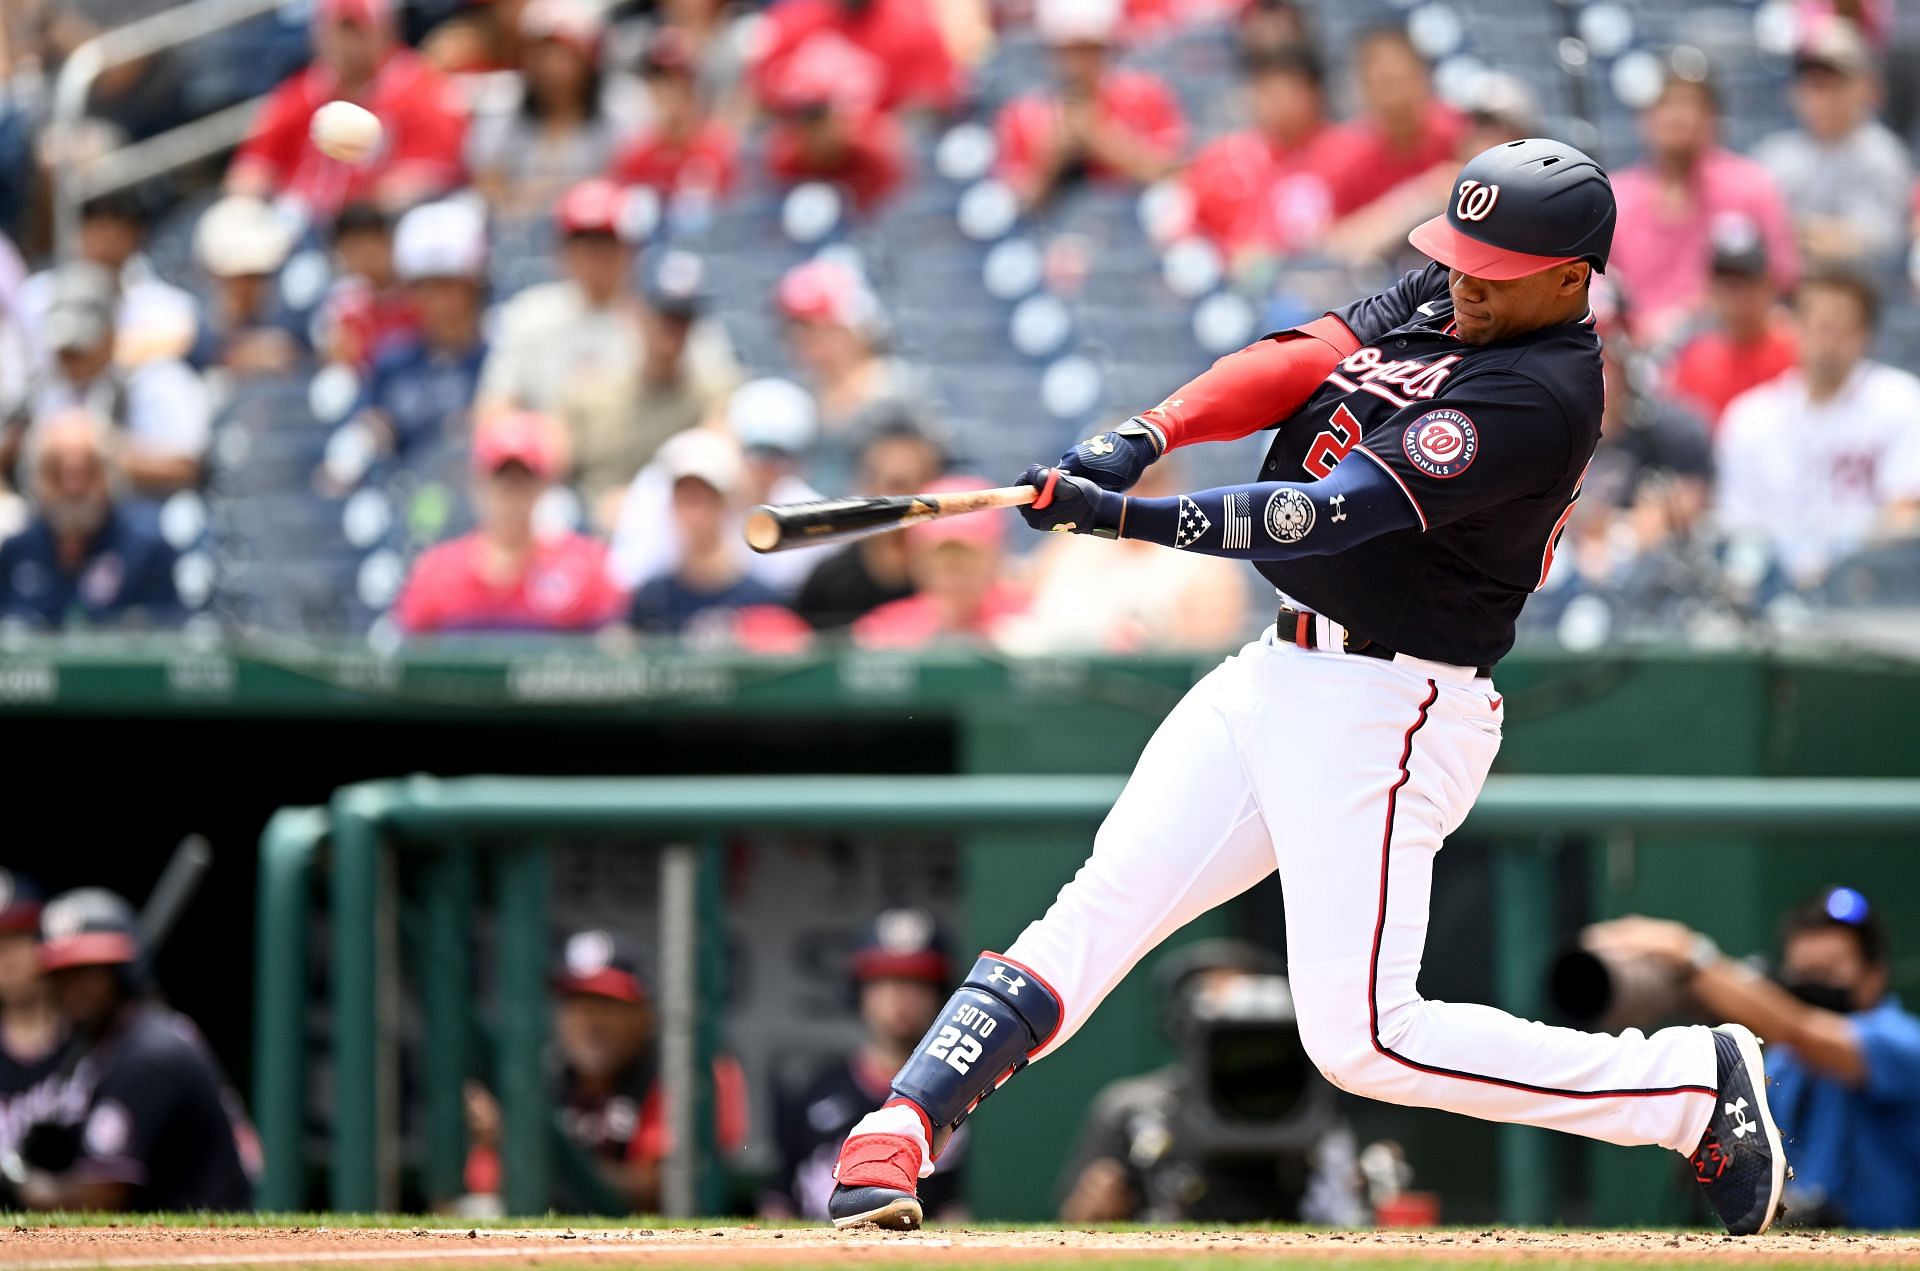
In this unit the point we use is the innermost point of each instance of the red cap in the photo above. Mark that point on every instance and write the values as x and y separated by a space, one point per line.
520 437
573 23
88 948
364 12
828 73
1440 240
592 207
981 529
825 291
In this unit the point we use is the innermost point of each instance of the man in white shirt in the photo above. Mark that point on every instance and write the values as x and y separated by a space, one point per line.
575 349
152 318
1825 458
1846 177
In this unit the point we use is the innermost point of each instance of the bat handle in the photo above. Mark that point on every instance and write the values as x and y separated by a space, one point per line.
1043 498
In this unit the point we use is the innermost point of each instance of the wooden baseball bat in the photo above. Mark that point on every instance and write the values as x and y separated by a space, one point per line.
781 527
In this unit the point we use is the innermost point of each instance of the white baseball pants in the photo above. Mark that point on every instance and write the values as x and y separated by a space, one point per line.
1347 773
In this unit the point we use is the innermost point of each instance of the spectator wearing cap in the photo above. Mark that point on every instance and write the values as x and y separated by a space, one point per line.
505 577
1267 26
152 318
895 44
86 557
357 58
422 385
137 1115
900 456
1843 1051
160 406
1262 191
365 310
1846 177
685 149
1747 339
703 592
835 334
1402 131
578 348
827 127
1670 202
961 593
245 329
1502 109
901 973
1081 603
1822 460
1099 122
30 1030
608 1087
568 121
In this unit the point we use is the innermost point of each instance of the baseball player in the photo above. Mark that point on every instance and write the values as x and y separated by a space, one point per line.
1429 445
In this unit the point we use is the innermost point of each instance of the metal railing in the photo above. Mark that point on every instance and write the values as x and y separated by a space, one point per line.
510 816
75 183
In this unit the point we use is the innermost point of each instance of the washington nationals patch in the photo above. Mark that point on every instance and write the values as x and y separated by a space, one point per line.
1441 443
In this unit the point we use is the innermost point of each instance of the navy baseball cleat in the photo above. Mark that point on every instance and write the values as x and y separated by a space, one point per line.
1740 1160
875 1183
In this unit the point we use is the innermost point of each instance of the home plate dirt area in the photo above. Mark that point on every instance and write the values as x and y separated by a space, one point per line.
26 1245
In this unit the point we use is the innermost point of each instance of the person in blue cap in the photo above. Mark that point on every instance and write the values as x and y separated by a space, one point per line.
1843 1054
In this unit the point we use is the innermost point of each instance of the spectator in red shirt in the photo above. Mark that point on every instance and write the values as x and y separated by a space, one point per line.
1262 191
356 59
505 577
686 148
829 130
961 593
1670 202
905 53
1749 340
367 311
1402 129
1099 123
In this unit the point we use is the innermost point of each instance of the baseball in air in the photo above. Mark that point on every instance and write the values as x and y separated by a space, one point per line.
345 131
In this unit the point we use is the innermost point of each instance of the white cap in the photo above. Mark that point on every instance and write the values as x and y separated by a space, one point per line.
704 455
772 414
441 240
241 235
1077 21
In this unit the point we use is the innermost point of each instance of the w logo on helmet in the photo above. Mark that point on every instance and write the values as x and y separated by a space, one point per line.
1476 201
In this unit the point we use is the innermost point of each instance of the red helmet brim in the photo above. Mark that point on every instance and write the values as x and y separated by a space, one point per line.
1440 240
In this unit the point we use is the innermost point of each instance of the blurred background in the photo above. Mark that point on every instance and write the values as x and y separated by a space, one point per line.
316 475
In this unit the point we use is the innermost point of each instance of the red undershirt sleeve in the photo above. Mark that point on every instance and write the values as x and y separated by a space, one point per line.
1255 388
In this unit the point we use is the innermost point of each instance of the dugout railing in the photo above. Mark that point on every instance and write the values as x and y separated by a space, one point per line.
344 858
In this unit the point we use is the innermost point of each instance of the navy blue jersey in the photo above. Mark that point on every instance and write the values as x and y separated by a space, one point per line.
1488 442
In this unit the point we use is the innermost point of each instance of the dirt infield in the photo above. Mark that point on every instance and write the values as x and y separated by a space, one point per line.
55 1247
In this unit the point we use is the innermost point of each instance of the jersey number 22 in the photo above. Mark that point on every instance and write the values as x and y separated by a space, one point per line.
1334 444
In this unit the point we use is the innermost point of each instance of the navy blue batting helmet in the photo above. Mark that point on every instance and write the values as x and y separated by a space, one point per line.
1522 207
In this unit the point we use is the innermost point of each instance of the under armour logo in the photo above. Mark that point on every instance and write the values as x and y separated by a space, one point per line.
1097 446
1014 983
1339 505
1476 201
1742 1123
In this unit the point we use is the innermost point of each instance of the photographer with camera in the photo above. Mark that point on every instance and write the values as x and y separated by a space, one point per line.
136 1115
1241 1127
1843 1053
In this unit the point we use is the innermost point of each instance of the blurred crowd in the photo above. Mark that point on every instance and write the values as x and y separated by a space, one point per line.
571 444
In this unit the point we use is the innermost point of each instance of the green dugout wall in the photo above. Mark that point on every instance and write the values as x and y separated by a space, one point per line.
216 740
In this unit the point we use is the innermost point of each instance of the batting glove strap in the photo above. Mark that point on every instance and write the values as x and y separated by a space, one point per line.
1072 505
998 1018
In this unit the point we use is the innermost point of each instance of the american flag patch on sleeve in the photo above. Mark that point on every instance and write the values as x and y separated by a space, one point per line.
1236 534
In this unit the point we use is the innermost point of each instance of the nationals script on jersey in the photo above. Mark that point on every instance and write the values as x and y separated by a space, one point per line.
1489 443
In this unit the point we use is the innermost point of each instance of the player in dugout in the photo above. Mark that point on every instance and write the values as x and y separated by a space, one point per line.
1430 443
1845 1062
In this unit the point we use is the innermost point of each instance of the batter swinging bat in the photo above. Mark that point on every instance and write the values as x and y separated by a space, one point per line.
781 527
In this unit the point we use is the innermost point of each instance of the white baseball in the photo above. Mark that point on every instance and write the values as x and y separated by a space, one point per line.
345 131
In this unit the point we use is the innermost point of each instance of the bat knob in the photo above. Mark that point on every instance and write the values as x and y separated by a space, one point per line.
763 529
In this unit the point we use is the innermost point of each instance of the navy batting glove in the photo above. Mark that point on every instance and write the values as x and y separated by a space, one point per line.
1071 505
1114 460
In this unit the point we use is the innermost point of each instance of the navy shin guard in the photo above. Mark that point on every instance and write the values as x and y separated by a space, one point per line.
992 1025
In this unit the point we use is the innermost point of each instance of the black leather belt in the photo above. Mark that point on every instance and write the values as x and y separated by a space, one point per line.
1298 626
